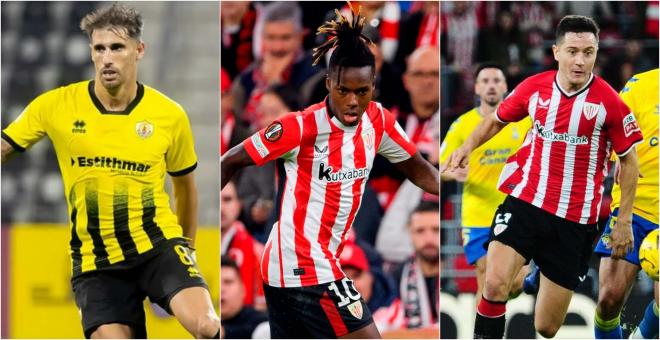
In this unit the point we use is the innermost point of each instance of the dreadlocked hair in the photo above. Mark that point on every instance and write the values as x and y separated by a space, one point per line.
351 46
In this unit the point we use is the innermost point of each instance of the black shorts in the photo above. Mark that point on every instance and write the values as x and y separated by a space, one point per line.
561 248
324 311
115 295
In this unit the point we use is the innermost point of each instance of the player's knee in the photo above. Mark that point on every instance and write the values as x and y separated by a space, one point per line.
207 327
495 289
546 329
610 300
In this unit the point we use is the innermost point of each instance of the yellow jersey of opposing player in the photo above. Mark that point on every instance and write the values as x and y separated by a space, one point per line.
480 195
113 167
641 96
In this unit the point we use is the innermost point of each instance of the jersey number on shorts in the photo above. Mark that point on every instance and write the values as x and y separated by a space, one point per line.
185 258
349 297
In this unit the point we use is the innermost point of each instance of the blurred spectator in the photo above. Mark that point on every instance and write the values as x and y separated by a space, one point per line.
237 20
232 131
460 27
282 61
418 277
241 247
377 289
504 45
256 187
626 63
420 28
238 321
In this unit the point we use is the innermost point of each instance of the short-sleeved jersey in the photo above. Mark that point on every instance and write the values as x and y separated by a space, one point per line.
641 96
323 167
561 165
113 166
480 195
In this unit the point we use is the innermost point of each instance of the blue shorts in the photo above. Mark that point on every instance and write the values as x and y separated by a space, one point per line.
474 239
641 227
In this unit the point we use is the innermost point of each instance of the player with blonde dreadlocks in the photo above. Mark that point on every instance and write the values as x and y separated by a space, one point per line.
324 156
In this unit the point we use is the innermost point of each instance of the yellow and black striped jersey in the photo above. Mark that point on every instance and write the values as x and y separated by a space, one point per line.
113 166
641 96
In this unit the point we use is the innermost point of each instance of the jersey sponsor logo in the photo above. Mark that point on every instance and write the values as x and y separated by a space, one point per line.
590 110
273 132
259 145
320 152
144 129
113 163
369 137
78 126
356 309
630 124
543 104
559 137
653 141
341 175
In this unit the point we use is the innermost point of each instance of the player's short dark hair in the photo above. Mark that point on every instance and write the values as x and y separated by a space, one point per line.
427 206
576 24
114 16
486 65
226 261
351 45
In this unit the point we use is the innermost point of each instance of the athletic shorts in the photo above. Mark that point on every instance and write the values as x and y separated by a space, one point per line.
561 248
640 227
474 239
117 295
324 311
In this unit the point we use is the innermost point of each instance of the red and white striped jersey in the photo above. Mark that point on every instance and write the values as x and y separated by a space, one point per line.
324 166
561 165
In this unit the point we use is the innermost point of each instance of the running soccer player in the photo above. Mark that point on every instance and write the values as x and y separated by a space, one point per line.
554 181
480 195
324 155
616 276
115 139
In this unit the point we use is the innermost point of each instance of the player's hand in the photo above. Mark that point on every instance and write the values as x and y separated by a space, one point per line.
458 174
273 66
458 159
621 238
261 210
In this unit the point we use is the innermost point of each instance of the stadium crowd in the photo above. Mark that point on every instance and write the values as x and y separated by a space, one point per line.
517 36
392 252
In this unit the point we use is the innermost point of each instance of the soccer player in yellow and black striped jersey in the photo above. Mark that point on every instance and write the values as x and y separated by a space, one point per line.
616 277
480 196
115 140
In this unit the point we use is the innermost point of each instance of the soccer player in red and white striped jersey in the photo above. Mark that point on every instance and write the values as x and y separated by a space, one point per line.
555 179
324 156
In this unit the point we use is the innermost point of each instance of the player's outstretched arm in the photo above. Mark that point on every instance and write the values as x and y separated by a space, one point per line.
7 150
422 173
185 203
486 129
235 159
621 237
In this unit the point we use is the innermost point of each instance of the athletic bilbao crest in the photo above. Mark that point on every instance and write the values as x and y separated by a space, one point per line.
144 129
630 124
590 110
356 309
369 137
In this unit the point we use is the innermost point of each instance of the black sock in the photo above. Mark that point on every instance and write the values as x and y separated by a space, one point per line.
490 320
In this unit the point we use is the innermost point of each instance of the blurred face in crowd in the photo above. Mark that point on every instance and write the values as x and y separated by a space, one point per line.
425 235
230 206
115 56
576 56
362 279
490 86
232 12
280 38
350 92
271 107
232 292
422 76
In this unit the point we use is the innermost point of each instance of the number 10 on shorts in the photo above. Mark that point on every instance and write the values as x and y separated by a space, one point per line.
349 296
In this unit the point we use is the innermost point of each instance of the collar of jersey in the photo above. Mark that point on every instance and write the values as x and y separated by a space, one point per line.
129 108
336 122
573 94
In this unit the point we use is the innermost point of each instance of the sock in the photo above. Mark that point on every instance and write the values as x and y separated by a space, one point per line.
607 329
490 319
649 325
